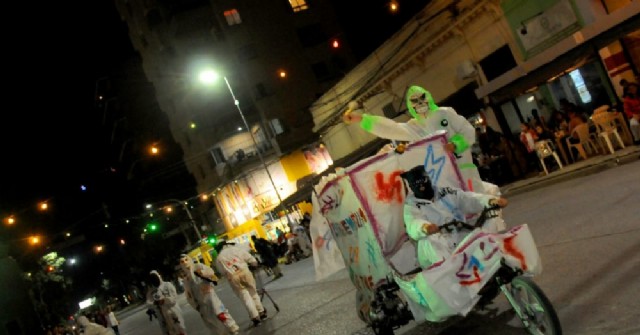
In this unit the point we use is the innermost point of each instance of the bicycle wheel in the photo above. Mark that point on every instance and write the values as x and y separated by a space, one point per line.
536 311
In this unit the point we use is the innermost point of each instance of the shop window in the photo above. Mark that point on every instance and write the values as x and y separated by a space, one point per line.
581 87
298 5
232 16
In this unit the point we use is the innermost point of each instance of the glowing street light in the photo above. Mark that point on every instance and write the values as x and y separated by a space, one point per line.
34 240
10 221
208 77
43 206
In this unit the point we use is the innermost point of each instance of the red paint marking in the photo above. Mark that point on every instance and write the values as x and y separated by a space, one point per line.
470 185
391 190
493 252
511 249
436 264
475 280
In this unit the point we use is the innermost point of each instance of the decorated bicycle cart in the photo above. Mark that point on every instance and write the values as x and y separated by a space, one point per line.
361 207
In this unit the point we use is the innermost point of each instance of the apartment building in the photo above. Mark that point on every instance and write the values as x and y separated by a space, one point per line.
277 57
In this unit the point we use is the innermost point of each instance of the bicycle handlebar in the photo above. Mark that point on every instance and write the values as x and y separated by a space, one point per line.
457 225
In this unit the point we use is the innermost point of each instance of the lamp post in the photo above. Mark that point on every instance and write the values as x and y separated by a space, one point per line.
210 76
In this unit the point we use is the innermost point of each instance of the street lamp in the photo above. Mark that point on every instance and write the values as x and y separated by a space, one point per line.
208 77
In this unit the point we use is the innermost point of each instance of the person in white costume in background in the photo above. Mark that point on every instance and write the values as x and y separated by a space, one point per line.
199 281
234 261
89 328
163 297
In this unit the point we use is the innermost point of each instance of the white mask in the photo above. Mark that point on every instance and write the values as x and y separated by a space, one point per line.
185 264
423 109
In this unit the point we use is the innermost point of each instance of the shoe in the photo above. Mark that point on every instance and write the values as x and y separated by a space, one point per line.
235 330
256 322
278 276
263 315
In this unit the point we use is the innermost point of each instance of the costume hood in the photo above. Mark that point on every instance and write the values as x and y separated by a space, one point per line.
416 91
83 321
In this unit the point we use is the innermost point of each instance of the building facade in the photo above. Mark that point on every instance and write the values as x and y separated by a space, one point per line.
493 61
277 58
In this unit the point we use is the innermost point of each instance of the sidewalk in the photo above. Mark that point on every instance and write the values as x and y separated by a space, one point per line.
581 168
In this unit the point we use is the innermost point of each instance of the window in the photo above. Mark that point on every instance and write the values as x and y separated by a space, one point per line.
261 91
321 71
232 16
247 52
187 139
218 156
298 5
312 35
212 161
498 62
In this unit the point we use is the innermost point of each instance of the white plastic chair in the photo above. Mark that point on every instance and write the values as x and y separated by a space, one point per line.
545 149
585 143
606 130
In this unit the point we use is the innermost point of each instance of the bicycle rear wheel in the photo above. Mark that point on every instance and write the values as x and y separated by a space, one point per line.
536 311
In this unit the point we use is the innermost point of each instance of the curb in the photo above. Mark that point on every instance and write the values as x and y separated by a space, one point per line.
579 172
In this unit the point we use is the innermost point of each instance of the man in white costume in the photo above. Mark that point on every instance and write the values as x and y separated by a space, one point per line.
427 119
163 297
89 328
199 281
427 208
234 261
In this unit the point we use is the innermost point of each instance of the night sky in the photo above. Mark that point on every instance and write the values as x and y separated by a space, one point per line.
51 133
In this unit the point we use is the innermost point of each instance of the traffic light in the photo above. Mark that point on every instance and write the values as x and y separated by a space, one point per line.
152 227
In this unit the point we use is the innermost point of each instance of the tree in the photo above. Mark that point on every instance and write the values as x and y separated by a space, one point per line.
50 288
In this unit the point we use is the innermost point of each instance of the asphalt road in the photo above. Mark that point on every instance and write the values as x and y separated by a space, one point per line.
588 234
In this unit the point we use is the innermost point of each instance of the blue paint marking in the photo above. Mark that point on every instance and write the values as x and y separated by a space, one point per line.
433 165
327 239
371 253
474 261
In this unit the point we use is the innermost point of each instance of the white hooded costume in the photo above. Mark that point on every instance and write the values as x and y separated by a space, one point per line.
90 328
233 261
202 296
427 119
163 299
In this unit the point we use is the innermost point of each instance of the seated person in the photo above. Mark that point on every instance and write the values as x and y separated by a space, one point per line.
427 208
